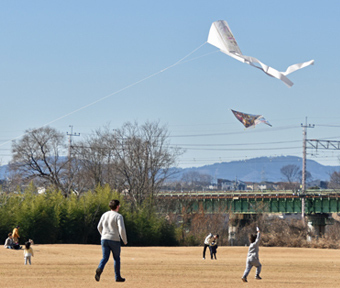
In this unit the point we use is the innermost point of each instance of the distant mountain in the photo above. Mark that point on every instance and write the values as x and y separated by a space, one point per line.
251 170
261 169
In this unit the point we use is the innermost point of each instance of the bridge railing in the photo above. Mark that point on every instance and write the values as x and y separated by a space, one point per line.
248 203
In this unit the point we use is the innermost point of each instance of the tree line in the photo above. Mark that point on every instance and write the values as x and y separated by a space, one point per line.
293 176
50 218
134 159
131 163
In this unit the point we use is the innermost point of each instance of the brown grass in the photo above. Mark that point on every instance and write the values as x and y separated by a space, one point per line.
176 267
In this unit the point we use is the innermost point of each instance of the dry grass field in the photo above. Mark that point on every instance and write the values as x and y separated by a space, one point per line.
74 266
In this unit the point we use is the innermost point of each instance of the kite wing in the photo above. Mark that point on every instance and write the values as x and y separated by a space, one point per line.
250 120
221 37
261 119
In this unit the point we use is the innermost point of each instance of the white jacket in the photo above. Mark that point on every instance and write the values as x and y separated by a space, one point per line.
253 252
209 239
111 227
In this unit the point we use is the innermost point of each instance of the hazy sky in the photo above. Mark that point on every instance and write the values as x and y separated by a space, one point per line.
60 56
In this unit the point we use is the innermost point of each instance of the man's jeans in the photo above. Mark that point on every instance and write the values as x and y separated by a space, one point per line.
114 246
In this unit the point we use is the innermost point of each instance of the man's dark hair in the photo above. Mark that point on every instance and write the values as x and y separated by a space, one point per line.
114 204
217 236
9 234
252 238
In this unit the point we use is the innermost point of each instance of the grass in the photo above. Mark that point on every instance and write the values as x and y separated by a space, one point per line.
161 267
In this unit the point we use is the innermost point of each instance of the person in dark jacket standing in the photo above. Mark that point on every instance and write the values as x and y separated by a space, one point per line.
213 249
112 229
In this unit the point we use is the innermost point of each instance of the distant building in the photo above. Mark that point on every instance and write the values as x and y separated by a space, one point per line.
269 186
227 185
212 187
265 185
317 184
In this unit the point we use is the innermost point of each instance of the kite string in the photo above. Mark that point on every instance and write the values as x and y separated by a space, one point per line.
217 51
127 87
183 57
114 93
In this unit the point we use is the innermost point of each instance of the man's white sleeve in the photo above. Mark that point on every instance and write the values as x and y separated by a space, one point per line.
100 225
121 228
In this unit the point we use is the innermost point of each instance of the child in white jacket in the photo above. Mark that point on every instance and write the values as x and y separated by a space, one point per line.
253 256
28 252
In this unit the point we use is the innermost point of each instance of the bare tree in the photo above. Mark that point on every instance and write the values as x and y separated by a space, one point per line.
96 158
143 157
191 179
291 172
92 154
196 180
334 182
38 155
309 176
136 159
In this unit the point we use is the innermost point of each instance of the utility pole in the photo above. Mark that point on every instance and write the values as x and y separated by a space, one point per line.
304 133
70 135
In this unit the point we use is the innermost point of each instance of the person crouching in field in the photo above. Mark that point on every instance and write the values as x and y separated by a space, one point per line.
253 256
111 228
210 238
28 252
213 249
9 242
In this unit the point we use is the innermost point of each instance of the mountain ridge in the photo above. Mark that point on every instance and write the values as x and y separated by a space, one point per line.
261 169
249 170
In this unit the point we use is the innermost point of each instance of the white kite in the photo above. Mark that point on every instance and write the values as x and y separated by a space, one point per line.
221 36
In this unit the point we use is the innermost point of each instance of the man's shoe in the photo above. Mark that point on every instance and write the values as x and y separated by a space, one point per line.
258 277
120 280
244 279
98 272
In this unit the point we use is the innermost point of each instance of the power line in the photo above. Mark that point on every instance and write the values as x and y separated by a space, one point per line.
240 144
328 125
235 133
242 149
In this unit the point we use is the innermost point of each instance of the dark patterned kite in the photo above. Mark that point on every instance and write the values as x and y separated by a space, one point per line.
250 120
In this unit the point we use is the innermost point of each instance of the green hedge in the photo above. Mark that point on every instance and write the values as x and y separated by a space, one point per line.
51 218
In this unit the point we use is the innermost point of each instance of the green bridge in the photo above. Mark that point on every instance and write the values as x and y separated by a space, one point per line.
250 203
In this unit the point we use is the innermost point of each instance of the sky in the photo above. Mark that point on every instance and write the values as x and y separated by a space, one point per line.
89 64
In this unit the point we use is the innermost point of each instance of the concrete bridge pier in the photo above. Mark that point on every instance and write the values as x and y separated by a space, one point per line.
316 224
237 221
232 234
